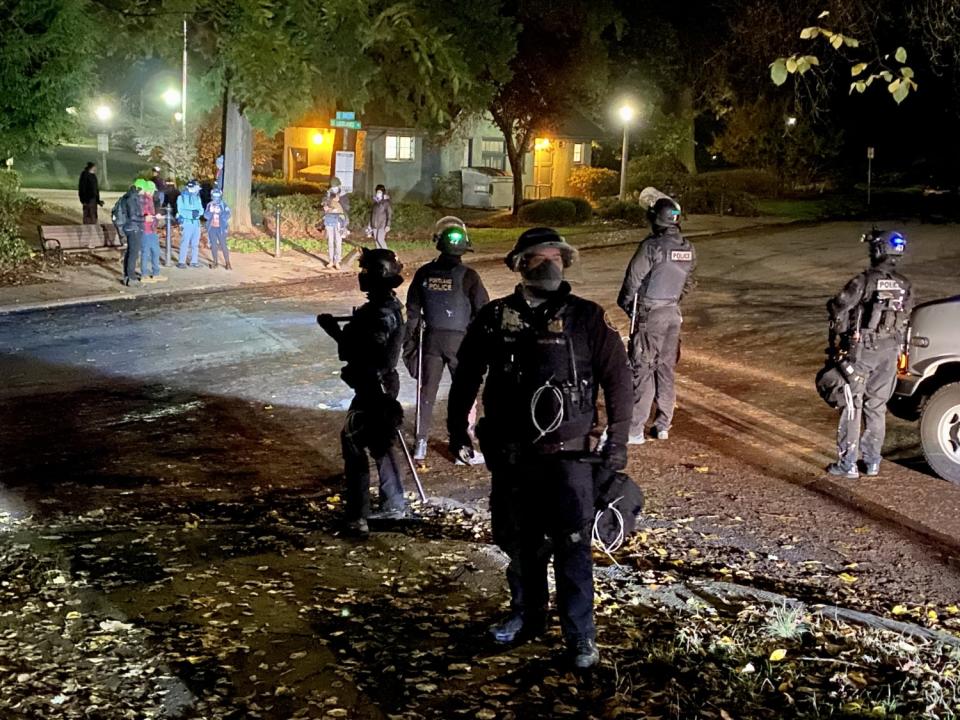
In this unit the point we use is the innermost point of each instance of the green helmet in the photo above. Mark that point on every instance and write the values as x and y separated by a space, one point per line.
453 240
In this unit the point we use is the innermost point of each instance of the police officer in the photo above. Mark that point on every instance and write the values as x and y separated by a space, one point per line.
868 320
370 344
545 353
443 298
658 276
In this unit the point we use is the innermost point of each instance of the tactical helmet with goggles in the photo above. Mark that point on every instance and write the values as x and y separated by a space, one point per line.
885 244
539 238
379 270
453 240
665 212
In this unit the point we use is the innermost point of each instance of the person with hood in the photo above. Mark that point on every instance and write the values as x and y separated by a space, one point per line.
334 222
217 216
88 190
659 275
546 354
443 297
381 215
128 217
150 253
370 343
189 210
868 321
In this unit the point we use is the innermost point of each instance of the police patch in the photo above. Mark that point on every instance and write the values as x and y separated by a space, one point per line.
439 284
888 286
681 255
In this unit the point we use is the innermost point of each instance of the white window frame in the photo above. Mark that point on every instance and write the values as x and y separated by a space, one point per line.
578 153
493 158
403 147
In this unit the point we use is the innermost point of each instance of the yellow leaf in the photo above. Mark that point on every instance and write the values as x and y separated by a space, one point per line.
953 609
73 615
847 578
778 655
858 68
932 615
899 610
702 468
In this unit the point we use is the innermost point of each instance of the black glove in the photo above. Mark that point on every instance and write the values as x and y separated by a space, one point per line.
100 203
613 457
329 324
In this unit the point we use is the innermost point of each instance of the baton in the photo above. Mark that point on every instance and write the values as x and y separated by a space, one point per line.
416 424
633 313
413 470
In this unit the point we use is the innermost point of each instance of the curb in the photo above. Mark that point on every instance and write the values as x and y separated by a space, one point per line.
210 289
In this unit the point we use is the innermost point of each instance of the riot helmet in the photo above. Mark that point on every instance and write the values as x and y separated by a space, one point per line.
664 213
536 238
453 240
885 245
379 270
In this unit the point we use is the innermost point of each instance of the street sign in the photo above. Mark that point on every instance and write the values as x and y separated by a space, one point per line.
869 153
340 123
103 142
346 115
343 169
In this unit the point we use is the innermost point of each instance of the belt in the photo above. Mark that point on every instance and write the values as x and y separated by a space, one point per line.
577 445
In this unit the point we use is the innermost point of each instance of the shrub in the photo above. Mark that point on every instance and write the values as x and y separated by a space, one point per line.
583 208
552 211
759 183
594 183
711 200
614 209
273 187
299 214
13 249
447 191
663 172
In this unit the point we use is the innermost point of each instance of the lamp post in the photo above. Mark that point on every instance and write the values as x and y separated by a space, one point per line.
104 114
626 115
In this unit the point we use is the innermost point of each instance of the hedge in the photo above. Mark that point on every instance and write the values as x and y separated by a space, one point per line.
552 211
594 183
273 187
13 248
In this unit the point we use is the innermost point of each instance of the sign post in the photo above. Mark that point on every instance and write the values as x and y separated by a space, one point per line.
103 145
870 153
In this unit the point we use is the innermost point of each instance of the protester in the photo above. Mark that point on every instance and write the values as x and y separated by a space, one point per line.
381 215
217 216
334 222
150 253
88 191
189 210
128 218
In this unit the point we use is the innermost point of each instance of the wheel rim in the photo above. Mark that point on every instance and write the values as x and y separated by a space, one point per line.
949 433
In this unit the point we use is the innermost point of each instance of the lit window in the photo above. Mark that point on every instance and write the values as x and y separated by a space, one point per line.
493 153
400 148
578 153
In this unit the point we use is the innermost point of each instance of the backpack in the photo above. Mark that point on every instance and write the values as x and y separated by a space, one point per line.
119 213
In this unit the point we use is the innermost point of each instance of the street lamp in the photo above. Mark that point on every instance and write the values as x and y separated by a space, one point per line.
626 114
791 121
171 97
103 113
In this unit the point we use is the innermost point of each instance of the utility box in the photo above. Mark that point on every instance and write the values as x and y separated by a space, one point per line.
485 187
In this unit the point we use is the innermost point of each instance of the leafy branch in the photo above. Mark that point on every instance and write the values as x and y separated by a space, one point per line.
898 76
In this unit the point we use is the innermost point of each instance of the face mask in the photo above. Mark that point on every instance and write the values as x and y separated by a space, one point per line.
546 276
378 196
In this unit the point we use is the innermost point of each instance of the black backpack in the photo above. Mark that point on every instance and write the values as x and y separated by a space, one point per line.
119 213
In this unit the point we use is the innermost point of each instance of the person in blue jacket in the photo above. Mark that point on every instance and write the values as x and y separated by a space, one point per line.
217 216
189 210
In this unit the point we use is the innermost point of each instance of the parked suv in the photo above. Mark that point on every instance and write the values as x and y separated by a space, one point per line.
928 383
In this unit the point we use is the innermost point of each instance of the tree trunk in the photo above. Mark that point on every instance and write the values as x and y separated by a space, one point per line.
687 154
516 167
238 168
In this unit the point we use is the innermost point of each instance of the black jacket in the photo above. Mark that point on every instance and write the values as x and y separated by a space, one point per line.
447 293
565 344
88 190
370 345
880 299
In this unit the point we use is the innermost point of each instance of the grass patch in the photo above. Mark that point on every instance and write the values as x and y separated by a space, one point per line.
60 167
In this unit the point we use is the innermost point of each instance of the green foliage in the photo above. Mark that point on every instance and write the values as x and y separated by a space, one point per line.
664 172
594 183
299 214
46 52
13 249
447 190
274 187
760 183
717 200
408 218
552 211
582 208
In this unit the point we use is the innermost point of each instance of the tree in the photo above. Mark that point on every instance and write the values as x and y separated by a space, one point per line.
46 50
270 65
560 65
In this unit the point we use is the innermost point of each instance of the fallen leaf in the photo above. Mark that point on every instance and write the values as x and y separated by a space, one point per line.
778 655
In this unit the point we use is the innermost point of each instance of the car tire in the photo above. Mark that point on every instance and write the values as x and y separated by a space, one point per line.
940 432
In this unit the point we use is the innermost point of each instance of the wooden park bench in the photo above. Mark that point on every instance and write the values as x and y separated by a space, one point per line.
78 238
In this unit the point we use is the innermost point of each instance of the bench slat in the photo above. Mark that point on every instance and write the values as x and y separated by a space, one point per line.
79 237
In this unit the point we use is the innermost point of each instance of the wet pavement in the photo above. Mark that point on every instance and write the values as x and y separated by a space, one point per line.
175 462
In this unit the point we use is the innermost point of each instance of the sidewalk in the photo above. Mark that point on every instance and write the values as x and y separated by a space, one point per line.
99 281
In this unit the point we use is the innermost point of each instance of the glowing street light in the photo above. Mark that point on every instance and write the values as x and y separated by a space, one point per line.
171 97
791 121
626 113
178 116
103 113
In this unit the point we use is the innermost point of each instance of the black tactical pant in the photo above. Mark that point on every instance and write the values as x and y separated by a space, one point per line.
877 366
542 506
439 350
132 253
653 355
363 436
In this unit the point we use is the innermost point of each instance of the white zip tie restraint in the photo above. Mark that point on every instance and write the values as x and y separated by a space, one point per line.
617 542
535 400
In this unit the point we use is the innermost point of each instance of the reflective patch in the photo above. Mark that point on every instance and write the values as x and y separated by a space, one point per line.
555 325
681 255
439 284
889 286
511 321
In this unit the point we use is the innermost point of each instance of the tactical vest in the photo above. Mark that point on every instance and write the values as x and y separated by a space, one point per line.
445 305
372 341
884 299
538 364
672 261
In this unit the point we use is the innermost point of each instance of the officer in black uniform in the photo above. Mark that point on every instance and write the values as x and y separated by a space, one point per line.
370 345
658 276
546 353
443 297
868 321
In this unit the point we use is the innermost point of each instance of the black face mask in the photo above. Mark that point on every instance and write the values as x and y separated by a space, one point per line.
545 277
